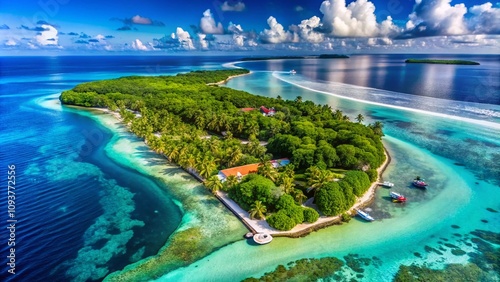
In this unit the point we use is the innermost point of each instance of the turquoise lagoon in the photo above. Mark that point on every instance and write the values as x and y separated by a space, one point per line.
454 145
457 154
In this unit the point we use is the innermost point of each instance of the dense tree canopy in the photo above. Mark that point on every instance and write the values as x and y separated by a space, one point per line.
199 125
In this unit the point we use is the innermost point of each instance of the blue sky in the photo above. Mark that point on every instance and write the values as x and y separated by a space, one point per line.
217 26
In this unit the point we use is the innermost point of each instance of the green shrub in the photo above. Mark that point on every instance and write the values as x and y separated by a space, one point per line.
372 174
281 221
310 215
346 217
330 199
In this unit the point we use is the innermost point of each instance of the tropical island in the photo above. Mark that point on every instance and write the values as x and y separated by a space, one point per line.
333 56
322 56
445 62
269 155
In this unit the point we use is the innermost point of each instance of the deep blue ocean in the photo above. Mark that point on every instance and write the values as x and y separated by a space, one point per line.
81 216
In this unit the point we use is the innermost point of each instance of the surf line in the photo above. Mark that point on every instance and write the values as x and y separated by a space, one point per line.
468 120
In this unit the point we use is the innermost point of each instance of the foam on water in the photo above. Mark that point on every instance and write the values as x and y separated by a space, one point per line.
486 115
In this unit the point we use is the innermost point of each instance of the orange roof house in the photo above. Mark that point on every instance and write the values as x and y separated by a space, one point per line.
241 171
247 109
238 171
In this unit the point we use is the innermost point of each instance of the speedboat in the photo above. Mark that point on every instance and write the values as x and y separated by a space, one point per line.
262 238
419 183
364 215
293 72
396 197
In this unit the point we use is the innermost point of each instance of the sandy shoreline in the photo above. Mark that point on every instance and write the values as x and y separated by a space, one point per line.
261 226
300 230
229 78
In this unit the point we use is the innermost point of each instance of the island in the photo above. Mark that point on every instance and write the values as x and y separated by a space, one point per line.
322 56
445 62
333 56
284 161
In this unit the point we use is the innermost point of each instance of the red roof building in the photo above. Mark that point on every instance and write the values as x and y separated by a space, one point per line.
267 112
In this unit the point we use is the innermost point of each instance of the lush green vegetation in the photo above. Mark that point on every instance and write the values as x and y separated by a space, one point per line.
303 270
333 56
200 126
446 62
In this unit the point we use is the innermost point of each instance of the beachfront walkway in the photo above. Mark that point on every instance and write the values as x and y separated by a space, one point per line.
261 226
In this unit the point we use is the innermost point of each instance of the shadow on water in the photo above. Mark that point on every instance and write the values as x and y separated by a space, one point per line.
387 198
176 171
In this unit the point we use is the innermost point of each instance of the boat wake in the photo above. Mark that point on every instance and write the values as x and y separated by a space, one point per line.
483 114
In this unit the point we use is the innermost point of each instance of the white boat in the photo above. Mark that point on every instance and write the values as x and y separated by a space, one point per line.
262 238
293 72
365 215
387 184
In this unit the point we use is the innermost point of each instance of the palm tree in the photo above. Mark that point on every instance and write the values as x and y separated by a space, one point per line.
213 184
299 196
238 125
206 167
338 114
298 99
360 118
258 210
377 128
173 154
235 156
318 178
253 128
200 121
286 183
230 182
267 170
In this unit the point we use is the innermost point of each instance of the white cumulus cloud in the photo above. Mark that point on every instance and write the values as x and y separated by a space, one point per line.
231 6
208 25
276 33
184 39
437 17
485 19
238 40
203 42
355 20
306 30
138 45
48 36
234 28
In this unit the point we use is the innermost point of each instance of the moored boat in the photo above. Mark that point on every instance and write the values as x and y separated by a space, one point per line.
396 197
364 215
262 238
387 184
419 183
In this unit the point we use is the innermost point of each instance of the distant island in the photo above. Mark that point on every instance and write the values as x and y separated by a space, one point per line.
333 56
228 139
445 62
322 56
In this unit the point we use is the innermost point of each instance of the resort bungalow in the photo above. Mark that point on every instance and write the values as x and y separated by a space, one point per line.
267 112
241 171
